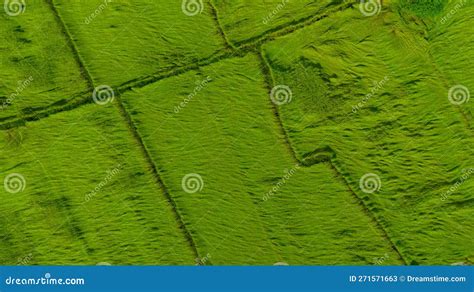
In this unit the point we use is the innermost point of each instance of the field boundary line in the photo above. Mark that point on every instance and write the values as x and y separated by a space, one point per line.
138 139
289 28
267 71
248 46
75 51
84 98
215 16
270 81
441 73
366 210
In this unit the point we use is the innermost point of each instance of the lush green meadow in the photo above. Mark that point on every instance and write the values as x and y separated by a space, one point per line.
236 132
37 68
88 196
406 131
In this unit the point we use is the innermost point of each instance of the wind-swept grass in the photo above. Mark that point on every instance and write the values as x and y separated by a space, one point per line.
227 134
242 20
38 68
88 196
370 90
124 40
192 158
424 8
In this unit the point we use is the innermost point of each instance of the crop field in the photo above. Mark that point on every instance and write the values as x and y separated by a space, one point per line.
235 132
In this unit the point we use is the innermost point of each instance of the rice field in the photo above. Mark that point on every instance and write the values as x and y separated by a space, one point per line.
236 133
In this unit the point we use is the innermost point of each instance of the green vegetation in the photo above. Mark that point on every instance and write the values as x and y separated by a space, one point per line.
237 133
425 7
89 197
240 157
124 40
396 132
243 20
37 69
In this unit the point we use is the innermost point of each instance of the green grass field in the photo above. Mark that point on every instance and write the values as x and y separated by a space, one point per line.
239 132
